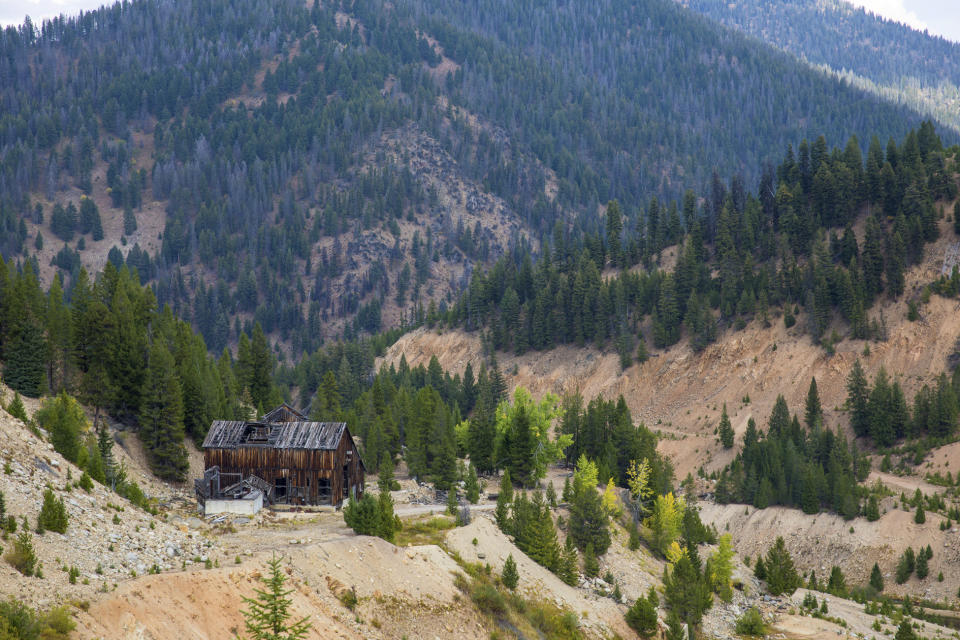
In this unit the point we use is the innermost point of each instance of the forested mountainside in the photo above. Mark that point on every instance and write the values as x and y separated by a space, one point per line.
327 170
885 57
790 246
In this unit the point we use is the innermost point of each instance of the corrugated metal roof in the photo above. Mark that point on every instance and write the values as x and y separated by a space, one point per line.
230 434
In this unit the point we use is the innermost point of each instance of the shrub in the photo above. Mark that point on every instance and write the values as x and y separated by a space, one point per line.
751 624
18 621
16 408
53 514
86 483
488 599
22 556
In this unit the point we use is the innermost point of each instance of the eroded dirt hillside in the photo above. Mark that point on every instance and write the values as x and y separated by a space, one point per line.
681 393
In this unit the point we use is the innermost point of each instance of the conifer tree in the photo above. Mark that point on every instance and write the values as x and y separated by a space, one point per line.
905 631
23 368
16 408
642 616
781 574
813 412
64 420
267 616
472 485
837 584
923 566
591 566
509 575
726 429
53 514
568 570
504 499
259 369
686 591
385 479
105 449
588 522
876 578
521 446
388 522
161 416
760 569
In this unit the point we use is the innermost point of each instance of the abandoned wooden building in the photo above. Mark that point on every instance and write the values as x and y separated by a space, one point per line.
291 459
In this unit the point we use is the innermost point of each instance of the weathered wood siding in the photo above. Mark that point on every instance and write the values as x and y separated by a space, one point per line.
301 468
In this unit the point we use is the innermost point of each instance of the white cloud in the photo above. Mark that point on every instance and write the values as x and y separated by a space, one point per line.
894 10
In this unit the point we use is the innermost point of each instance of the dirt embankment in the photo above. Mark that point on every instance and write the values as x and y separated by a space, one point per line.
817 542
682 393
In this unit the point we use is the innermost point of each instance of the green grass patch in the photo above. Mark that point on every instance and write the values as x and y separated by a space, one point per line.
425 530
530 615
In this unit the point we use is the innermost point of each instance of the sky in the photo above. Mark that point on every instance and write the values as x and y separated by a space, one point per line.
940 17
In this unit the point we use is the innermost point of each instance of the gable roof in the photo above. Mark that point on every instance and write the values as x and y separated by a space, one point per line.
284 413
231 434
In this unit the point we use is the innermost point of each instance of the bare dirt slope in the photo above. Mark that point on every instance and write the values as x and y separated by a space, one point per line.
682 393
202 604
817 542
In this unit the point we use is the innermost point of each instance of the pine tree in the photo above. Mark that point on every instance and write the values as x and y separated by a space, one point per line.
388 522
905 631
686 591
813 412
105 449
386 481
268 615
568 570
837 584
326 402
521 447
872 510
363 515
64 420
53 514
923 566
591 566
905 566
16 408
472 485
760 569
452 504
510 576
782 577
642 616
504 499
588 521
675 630
876 578
920 516
161 416
25 357
726 429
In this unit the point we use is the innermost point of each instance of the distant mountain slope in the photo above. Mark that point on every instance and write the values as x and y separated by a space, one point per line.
331 169
888 58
